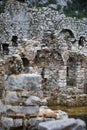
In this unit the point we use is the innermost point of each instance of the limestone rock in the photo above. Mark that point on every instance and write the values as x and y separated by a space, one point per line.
2 107
14 65
35 121
18 122
11 97
30 110
68 123
7 122
33 100
47 113
61 114
30 82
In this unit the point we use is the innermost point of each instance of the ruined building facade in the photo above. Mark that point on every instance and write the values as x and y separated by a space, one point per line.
43 54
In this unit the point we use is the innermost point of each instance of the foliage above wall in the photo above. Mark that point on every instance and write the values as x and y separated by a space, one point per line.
78 8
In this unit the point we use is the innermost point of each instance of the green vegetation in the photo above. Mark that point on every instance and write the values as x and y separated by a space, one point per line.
52 1
2 6
78 8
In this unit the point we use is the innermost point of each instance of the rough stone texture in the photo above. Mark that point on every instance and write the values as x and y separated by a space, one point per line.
30 82
2 72
26 22
11 97
18 122
55 69
2 107
7 122
48 113
13 64
30 110
33 100
62 124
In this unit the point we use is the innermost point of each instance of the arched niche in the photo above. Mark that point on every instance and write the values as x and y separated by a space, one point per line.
14 40
25 64
71 71
67 33
5 48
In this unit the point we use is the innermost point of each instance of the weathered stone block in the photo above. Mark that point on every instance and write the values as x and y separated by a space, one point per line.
22 109
11 97
64 124
30 82
18 122
7 122
33 100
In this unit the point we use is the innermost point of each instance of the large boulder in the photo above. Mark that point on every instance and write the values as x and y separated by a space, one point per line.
48 113
64 124
30 82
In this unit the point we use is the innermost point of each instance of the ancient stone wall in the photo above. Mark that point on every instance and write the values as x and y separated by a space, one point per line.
24 22
2 72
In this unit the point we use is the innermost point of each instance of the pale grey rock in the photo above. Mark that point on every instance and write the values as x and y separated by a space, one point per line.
30 110
23 109
30 82
25 94
53 6
18 122
11 97
2 107
34 22
7 122
33 101
35 121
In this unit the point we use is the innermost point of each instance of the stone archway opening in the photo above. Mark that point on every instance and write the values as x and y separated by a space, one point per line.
25 64
14 40
5 48
71 72
67 33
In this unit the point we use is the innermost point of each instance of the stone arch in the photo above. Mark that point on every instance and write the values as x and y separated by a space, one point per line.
50 62
68 33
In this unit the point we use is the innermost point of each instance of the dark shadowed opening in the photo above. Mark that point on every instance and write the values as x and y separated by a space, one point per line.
70 33
25 62
5 48
71 71
14 40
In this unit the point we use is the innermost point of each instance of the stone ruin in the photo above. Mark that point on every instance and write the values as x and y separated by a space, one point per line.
40 75
47 69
